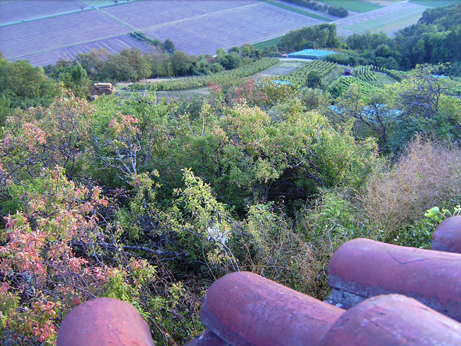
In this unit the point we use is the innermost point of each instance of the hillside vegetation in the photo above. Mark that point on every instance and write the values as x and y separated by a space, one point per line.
150 201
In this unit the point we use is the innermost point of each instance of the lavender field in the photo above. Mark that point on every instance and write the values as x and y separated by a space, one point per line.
112 45
57 32
227 28
13 11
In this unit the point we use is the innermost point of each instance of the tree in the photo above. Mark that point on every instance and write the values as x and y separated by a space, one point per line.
313 79
26 85
138 62
230 61
168 45
221 52
74 79
93 62
181 63
118 68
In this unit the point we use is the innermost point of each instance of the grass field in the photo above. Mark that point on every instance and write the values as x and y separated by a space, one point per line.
268 43
353 5
389 24
436 3
387 19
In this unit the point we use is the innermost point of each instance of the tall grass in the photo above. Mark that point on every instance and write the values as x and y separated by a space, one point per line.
428 173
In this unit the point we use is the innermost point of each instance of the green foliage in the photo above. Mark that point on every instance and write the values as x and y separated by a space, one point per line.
313 80
316 36
26 86
258 176
140 36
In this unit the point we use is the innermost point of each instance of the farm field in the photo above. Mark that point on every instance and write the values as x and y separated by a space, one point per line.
13 11
57 32
146 14
388 19
226 29
353 5
112 45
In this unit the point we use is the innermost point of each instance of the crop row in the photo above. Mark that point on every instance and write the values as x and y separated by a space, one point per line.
298 77
364 73
396 75
203 81
341 85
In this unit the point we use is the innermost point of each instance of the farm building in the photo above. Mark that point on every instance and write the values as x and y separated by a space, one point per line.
311 54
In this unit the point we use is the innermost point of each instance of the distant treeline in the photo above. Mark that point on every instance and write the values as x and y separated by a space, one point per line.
435 39
333 10
133 65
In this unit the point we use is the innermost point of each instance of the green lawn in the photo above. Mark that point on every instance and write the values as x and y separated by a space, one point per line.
353 5
292 9
386 24
436 3
268 43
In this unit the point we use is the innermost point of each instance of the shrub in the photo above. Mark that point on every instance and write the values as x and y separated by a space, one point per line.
427 174
338 11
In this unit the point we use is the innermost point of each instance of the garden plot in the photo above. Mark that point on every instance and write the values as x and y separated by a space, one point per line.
16 11
225 29
112 45
57 32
